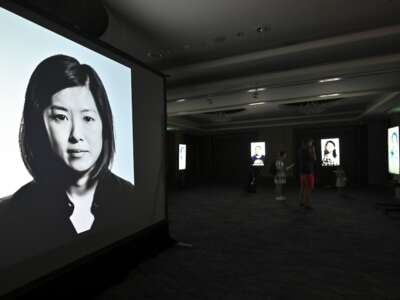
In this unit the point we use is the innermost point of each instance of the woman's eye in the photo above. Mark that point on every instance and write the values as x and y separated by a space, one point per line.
60 117
88 119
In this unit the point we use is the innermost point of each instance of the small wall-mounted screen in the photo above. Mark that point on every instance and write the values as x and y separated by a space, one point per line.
330 152
182 157
257 152
393 150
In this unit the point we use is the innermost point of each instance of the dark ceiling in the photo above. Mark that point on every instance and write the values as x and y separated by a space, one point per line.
213 52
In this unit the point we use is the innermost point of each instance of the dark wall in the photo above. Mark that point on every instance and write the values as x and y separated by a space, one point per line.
198 156
376 160
224 157
230 157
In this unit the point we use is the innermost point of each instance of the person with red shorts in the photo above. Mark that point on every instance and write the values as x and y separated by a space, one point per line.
306 158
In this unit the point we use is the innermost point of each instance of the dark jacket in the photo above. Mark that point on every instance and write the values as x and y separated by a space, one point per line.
36 218
254 158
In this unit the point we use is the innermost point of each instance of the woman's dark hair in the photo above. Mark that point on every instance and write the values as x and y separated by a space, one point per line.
52 75
334 148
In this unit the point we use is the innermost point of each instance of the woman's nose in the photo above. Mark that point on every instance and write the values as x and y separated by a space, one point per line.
76 133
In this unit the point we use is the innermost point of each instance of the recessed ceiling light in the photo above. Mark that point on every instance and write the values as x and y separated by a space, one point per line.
256 90
330 79
256 103
181 100
329 95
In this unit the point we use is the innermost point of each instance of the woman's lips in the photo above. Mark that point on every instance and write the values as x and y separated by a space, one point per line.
77 153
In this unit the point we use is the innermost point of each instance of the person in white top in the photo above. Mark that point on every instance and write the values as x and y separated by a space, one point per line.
280 175
341 179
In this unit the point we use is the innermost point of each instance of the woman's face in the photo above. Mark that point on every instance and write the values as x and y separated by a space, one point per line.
258 151
394 138
74 128
329 147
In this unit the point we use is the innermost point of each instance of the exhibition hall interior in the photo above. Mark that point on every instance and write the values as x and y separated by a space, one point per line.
200 149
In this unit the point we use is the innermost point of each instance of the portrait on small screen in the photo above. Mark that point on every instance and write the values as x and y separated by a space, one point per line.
257 151
182 157
393 150
330 152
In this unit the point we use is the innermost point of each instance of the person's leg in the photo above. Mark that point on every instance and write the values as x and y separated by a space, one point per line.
340 190
306 197
310 198
278 191
301 196
310 188
282 193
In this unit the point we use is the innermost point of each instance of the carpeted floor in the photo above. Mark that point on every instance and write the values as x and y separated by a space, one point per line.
250 246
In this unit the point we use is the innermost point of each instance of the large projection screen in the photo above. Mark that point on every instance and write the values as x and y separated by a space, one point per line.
393 150
330 152
65 193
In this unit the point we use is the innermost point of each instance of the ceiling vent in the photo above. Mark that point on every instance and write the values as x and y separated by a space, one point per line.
312 107
223 115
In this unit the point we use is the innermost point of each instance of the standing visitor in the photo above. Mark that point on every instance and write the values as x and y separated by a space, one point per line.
307 158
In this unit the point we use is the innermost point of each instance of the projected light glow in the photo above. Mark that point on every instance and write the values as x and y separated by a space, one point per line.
393 150
257 154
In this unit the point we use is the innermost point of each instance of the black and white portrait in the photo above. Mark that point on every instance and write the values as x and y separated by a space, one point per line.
66 112
330 152
393 150
182 157
67 145
257 152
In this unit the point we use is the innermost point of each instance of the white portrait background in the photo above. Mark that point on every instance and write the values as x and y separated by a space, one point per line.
182 157
393 150
254 145
329 160
23 46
